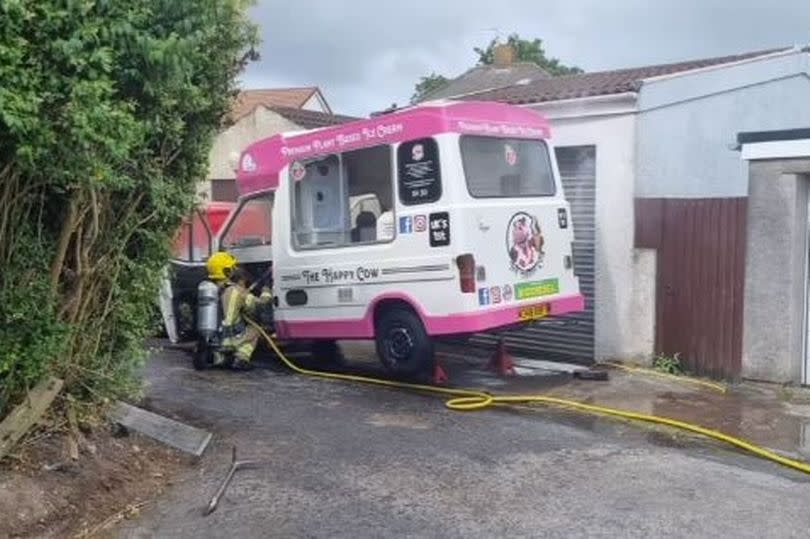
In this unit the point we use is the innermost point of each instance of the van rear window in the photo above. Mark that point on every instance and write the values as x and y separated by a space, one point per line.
500 167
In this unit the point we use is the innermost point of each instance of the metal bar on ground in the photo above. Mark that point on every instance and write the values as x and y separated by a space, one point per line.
170 432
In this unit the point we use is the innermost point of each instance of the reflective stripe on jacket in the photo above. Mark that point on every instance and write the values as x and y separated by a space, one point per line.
237 302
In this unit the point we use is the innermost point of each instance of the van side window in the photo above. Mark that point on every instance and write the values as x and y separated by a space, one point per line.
420 179
343 199
501 167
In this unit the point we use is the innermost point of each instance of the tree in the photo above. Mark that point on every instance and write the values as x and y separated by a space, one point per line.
108 109
526 51
426 85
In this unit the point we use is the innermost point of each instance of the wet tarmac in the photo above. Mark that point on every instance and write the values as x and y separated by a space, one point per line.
345 460
770 415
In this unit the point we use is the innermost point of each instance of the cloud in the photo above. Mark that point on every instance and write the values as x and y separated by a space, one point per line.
368 54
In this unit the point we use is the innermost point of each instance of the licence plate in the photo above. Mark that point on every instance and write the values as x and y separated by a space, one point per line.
533 312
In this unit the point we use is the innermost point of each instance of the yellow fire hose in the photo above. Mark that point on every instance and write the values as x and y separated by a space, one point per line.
469 400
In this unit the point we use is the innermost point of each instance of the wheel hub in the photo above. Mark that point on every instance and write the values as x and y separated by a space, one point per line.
400 343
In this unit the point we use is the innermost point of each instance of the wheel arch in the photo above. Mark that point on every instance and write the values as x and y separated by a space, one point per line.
391 301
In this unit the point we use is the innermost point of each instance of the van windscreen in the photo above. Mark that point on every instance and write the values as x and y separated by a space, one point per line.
500 167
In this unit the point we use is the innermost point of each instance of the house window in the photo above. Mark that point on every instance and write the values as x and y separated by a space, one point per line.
344 199
251 226
420 179
499 167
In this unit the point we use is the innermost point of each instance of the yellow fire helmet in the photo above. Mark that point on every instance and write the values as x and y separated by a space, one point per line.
219 265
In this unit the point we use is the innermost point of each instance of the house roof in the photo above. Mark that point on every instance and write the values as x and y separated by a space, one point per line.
311 119
602 82
247 100
488 77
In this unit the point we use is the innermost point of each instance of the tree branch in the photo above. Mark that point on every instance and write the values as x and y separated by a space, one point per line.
68 225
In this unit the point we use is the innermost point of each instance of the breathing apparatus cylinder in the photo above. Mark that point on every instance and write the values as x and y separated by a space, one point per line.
207 310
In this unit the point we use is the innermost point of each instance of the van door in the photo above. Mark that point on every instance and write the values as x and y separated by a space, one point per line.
248 233
178 291
517 223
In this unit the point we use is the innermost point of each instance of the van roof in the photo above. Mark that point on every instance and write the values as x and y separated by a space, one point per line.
261 162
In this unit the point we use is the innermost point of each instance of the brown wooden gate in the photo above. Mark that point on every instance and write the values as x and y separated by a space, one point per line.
700 281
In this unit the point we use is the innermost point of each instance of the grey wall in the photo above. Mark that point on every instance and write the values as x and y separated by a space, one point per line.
623 326
773 314
686 124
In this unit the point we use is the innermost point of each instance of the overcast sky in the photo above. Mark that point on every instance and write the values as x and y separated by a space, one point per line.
365 56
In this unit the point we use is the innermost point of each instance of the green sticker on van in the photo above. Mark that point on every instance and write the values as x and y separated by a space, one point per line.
535 289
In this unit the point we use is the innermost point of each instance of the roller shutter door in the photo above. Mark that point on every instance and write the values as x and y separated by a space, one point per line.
570 337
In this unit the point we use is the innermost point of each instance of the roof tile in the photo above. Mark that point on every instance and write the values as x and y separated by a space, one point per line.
311 119
488 77
599 83
247 100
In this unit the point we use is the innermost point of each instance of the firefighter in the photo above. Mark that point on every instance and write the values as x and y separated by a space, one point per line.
238 337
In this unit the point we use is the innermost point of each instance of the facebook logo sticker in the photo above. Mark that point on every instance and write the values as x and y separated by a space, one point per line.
483 296
406 224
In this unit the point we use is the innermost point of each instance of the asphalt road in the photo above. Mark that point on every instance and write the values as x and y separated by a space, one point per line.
343 460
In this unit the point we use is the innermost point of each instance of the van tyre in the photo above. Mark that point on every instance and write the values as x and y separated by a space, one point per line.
403 345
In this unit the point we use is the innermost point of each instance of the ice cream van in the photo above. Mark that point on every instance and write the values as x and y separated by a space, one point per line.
437 220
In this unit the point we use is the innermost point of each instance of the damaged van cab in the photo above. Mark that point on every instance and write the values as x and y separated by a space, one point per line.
442 219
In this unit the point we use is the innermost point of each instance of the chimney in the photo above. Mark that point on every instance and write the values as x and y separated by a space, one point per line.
503 55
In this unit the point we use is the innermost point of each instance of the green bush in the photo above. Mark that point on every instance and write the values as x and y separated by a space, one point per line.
108 109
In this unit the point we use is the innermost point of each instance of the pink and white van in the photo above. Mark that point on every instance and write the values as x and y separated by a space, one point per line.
442 219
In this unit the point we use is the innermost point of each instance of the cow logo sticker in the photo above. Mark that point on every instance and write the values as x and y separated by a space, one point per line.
418 152
509 154
298 171
524 243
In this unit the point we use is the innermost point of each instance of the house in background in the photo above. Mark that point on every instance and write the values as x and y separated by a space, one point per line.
504 71
259 114
659 201
305 97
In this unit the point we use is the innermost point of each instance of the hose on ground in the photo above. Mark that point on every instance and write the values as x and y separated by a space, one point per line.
465 400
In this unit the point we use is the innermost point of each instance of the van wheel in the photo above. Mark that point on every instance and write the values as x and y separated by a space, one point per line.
403 345
327 352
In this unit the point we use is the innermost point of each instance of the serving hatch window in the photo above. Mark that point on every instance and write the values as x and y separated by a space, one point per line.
344 199
500 167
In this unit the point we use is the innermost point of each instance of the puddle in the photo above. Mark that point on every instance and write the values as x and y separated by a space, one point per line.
761 413
755 413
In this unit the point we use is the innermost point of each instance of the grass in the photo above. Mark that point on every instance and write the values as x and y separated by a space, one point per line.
670 364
